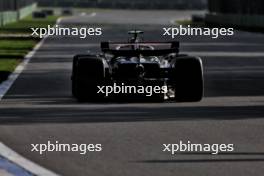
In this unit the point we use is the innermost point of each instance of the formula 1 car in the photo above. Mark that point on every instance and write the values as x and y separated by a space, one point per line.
138 63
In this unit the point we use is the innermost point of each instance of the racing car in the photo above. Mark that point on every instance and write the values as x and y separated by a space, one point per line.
137 62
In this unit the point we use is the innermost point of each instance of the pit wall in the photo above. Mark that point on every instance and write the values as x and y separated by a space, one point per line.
12 16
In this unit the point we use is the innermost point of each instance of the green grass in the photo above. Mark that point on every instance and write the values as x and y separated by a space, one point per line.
14 49
24 25
12 52
9 65
17 44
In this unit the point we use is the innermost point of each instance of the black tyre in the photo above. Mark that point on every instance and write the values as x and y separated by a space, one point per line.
187 79
158 98
73 77
88 73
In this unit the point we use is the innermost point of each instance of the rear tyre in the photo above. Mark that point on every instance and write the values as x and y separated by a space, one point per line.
187 79
158 98
73 77
88 74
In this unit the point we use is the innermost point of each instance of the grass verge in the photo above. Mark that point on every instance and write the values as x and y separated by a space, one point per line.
14 47
8 65
23 26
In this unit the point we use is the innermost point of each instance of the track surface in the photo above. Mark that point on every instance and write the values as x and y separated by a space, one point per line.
39 107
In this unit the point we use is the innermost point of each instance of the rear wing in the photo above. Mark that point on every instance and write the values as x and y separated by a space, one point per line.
160 48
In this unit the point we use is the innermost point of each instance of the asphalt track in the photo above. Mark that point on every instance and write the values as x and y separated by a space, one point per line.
39 107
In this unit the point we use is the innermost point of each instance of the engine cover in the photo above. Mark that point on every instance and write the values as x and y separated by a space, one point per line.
124 70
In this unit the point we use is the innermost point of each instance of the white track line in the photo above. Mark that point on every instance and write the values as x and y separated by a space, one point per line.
93 14
29 166
83 14
88 15
4 150
5 86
